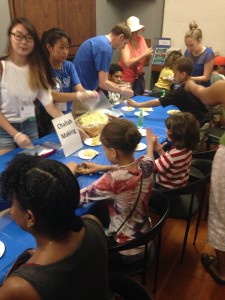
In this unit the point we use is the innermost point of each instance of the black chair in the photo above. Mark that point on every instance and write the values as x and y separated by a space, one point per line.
158 203
204 154
213 135
127 288
184 203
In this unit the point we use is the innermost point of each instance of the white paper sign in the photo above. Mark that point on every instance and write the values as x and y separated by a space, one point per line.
164 42
68 133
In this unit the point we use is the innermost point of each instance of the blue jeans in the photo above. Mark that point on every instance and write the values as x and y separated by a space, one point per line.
28 127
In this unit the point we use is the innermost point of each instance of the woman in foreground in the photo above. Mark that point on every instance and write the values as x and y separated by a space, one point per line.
70 261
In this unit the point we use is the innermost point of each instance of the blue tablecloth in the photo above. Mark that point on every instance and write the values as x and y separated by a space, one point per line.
155 120
17 240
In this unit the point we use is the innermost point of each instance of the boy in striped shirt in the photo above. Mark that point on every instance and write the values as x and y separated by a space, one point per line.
173 167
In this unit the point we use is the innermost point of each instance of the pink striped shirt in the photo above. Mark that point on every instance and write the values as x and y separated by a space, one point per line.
173 168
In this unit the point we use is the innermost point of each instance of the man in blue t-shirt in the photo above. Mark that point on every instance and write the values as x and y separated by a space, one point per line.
94 56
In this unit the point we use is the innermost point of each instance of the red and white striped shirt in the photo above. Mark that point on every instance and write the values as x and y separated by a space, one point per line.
173 168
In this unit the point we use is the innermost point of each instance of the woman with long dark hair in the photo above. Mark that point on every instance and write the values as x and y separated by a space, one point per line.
25 77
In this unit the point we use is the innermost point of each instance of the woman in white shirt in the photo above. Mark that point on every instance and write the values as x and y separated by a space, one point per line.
25 76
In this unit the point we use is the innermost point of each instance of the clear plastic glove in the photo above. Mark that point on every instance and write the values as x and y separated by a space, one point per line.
87 95
91 98
22 140
82 96
93 94
126 92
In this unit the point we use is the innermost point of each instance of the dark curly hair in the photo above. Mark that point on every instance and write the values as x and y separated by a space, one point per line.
115 68
184 64
171 58
121 134
183 130
48 189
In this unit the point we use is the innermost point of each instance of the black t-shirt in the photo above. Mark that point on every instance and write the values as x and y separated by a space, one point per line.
187 102
83 275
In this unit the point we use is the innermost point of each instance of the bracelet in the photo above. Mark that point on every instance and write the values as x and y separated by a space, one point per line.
16 136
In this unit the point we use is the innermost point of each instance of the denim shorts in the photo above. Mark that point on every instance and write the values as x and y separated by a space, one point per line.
28 127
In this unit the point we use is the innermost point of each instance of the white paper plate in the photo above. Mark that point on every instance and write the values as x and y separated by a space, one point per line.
87 153
173 111
147 109
137 113
127 108
142 131
2 248
89 142
140 147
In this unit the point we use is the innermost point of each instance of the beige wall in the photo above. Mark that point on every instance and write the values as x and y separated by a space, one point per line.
5 20
209 15
150 13
108 13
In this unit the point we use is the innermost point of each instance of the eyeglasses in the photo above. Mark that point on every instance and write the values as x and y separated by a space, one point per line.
19 37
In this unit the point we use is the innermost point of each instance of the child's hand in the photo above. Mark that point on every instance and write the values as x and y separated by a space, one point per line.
152 140
132 103
90 167
72 166
150 137
159 147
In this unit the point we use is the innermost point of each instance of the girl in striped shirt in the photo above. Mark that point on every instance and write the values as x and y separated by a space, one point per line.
173 167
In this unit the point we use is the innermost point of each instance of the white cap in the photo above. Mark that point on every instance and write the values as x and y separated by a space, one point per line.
134 24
